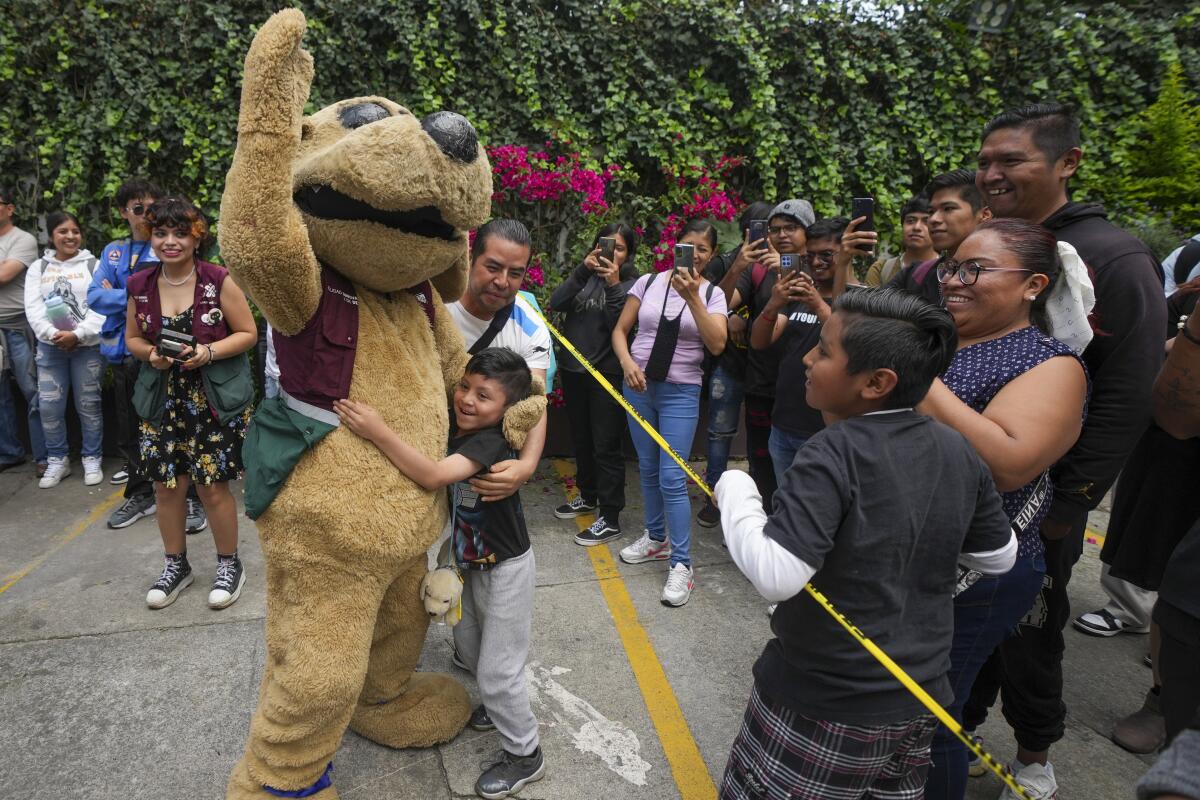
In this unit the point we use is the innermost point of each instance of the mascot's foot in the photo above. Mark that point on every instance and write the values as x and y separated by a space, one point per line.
433 709
243 787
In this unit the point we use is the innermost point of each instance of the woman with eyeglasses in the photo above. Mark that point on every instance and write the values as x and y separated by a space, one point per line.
1018 395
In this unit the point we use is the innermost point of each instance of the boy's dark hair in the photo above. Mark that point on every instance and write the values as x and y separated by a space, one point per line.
6 196
506 368
625 232
136 188
759 209
510 230
56 218
702 227
961 179
890 329
1054 126
917 204
828 228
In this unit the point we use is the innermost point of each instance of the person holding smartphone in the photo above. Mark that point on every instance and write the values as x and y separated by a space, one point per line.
591 300
679 314
194 405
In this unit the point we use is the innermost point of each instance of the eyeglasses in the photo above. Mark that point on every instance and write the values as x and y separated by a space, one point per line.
968 271
137 209
788 230
821 255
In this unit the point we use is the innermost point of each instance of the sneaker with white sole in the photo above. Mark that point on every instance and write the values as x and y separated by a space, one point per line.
228 584
645 549
120 476
575 508
176 576
1037 781
678 587
196 520
93 471
975 767
56 470
132 510
599 533
1102 623
509 774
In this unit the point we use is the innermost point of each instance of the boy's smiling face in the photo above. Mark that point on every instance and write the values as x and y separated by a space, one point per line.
479 402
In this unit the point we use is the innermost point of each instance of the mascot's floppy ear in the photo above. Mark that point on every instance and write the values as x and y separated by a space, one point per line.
452 282
521 416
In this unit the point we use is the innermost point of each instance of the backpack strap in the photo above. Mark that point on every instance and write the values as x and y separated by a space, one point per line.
920 271
493 329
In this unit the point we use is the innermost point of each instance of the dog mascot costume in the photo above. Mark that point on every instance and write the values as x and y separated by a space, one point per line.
347 228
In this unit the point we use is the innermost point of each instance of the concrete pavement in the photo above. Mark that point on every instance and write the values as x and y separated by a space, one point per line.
101 697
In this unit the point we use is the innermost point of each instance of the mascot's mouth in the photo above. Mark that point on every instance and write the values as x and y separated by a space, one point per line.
324 202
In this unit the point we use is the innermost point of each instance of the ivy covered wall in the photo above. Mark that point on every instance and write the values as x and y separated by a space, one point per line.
822 99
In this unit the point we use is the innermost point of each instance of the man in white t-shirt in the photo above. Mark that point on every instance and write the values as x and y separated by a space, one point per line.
491 314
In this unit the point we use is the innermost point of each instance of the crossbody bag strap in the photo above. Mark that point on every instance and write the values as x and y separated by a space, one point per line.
493 329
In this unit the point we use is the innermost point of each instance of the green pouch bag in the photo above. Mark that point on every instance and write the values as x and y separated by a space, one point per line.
228 386
150 394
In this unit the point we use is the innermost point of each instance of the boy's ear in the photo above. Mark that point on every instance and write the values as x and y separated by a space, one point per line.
880 384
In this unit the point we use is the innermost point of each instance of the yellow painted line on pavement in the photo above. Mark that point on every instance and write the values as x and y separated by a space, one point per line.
1093 536
683 755
69 534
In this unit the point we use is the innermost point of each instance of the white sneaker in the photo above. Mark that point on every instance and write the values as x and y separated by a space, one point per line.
92 472
56 470
1037 781
645 549
679 585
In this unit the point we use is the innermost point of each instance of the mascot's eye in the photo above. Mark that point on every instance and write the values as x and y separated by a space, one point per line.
362 114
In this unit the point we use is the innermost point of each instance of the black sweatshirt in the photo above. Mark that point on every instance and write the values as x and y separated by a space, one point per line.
592 309
1123 358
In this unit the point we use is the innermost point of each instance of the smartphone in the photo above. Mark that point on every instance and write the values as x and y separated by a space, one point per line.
863 207
608 247
788 264
758 230
685 257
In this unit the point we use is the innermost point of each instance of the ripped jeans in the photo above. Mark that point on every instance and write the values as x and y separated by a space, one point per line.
724 412
77 371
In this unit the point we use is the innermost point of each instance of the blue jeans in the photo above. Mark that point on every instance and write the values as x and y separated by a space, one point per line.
673 410
724 410
783 448
984 615
21 356
77 371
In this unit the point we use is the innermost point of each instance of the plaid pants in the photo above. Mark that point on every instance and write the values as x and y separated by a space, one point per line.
779 754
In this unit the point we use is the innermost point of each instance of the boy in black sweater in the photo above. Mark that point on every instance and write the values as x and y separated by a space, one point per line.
825 719
490 544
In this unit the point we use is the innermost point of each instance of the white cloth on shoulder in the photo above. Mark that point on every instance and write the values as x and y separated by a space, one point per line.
1071 300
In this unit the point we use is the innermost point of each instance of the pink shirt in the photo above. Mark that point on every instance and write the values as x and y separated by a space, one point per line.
688 364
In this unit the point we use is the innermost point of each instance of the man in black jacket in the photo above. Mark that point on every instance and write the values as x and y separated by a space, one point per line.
1025 161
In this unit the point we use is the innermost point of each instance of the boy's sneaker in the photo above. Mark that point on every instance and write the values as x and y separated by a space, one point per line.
176 576
679 585
574 509
510 774
131 511
480 721
975 767
120 476
1037 781
709 516
645 549
228 583
56 470
599 533
196 520
93 471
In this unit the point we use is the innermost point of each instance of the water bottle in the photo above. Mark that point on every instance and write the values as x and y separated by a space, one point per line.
60 316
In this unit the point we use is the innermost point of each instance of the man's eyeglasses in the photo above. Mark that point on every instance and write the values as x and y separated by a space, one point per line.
820 255
968 271
788 230
137 209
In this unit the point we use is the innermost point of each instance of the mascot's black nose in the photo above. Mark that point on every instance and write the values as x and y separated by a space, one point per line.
453 134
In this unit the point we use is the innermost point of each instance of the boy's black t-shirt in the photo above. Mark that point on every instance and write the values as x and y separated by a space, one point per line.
485 533
881 506
792 414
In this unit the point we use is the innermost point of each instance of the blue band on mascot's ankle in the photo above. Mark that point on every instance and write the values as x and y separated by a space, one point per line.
324 782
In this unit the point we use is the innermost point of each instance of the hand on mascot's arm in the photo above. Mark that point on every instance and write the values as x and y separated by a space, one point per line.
528 416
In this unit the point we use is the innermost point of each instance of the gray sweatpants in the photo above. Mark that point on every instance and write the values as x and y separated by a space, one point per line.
493 639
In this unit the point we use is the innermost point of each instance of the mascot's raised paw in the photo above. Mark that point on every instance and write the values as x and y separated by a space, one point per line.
523 415
278 77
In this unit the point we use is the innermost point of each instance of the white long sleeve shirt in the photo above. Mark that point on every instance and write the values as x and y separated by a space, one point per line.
70 280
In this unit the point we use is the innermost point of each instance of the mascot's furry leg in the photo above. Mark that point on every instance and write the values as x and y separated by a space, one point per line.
400 707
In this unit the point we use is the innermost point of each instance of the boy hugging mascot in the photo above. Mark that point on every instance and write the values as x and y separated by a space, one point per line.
347 228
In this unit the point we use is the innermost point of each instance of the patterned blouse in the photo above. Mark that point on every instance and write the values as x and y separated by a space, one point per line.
976 375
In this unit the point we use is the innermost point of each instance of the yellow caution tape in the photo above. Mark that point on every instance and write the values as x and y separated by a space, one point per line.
883 658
